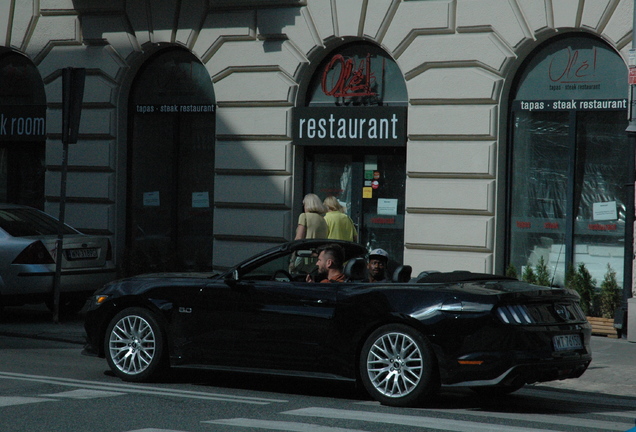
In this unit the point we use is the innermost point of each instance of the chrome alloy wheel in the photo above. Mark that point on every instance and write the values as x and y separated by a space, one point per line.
395 364
132 344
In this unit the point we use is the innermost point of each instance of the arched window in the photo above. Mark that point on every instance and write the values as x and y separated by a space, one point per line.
353 131
171 165
568 164
22 131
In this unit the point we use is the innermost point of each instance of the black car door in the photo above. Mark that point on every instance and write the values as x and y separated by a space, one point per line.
265 324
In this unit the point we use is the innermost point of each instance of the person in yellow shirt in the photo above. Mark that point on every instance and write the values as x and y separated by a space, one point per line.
311 223
340 225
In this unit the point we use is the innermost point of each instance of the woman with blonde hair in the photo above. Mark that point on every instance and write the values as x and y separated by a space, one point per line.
340 225
311 223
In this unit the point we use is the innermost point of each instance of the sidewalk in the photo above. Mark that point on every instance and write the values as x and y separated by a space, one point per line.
613 368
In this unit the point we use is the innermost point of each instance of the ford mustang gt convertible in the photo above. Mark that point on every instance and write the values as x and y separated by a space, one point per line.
401 340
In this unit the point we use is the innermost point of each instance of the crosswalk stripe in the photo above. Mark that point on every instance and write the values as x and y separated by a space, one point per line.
410 420
130 388
279 425
83 394
156 430
6 401
549 419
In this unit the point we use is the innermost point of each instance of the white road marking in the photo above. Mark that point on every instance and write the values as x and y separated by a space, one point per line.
279 425
156 430
139 389
84 394
549 419
6 401
411 420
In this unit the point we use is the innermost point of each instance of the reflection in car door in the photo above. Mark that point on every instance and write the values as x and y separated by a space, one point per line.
271 325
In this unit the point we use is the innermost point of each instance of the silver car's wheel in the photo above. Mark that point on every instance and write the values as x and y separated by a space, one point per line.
134 345
397 366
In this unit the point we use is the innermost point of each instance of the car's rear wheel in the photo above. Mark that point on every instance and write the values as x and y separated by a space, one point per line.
398 367
134 345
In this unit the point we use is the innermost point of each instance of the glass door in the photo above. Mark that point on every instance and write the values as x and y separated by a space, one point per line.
568 194
370 187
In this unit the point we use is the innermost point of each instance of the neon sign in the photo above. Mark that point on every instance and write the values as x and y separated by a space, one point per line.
346 81
575 68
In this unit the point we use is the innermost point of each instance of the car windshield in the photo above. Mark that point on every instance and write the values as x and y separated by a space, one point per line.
24 222
296 265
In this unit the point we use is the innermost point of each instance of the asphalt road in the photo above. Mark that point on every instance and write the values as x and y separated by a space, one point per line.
46 385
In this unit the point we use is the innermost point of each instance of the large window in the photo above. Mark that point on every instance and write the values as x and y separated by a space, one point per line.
569 161
22 140
171 165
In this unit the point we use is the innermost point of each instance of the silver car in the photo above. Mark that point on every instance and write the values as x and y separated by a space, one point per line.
27 260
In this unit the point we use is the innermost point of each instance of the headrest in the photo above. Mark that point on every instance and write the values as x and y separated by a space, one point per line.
402 274
355 269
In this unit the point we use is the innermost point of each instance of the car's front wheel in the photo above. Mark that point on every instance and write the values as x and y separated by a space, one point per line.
134 345
398 367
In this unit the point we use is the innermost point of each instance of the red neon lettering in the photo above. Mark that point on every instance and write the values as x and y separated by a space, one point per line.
349 82
601 227
524 224
551 225
575 68
385 221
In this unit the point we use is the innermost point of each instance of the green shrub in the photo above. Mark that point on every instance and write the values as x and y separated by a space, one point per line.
610 297
543 275
584 284
511 271
528 275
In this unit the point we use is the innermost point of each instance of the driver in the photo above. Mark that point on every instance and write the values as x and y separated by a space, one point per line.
329 264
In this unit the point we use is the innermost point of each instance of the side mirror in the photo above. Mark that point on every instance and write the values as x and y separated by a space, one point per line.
232 279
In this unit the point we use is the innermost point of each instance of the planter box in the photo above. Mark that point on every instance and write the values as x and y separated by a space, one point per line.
603 327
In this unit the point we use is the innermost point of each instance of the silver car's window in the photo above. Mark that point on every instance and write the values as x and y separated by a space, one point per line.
23 222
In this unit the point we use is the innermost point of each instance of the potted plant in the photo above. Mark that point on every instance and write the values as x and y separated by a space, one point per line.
599 308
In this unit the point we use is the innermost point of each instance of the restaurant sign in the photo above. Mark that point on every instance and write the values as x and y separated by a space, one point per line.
22 123
339 126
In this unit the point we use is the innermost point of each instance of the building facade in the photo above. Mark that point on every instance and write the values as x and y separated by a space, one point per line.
463 134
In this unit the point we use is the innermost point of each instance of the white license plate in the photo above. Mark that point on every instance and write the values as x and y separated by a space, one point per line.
81 254
567 342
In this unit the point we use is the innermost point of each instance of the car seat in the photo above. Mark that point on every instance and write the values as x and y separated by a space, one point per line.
355 270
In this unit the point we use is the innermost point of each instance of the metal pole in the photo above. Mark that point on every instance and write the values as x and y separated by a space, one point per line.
72 96
59 250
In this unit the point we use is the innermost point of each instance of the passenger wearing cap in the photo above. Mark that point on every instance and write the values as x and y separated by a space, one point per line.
378 259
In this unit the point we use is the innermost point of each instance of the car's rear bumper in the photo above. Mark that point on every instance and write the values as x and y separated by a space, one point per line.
528 373
517 354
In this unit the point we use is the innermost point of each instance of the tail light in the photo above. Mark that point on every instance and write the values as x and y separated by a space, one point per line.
35 253
515 314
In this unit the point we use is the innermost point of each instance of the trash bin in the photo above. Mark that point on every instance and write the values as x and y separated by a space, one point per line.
631 319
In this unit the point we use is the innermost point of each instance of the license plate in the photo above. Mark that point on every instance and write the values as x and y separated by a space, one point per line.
81 254
567 342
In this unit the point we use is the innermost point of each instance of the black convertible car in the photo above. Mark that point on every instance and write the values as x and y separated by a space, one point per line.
402 340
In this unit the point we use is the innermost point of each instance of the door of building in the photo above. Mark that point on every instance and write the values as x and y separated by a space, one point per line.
370 186
171 166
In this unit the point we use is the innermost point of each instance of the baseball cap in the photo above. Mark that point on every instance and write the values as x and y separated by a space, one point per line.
379 252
